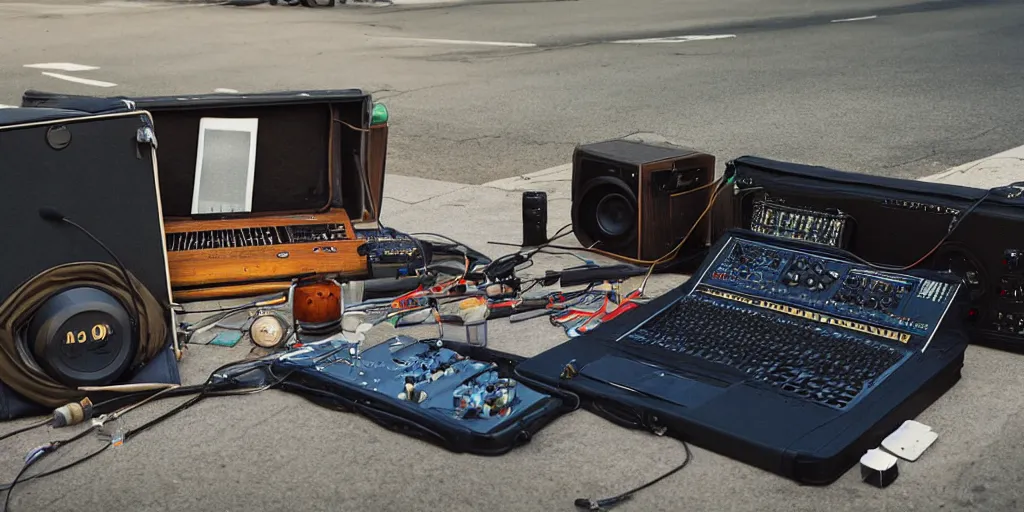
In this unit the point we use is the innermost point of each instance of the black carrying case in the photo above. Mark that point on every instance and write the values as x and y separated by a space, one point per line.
898 221
320 136
802 441
428 424
129 226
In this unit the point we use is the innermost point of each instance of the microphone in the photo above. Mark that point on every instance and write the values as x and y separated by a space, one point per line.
53 215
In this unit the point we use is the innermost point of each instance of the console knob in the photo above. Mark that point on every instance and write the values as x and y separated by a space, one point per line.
819 268
801 264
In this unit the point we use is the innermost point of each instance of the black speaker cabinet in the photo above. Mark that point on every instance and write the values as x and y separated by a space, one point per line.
100 173
638 200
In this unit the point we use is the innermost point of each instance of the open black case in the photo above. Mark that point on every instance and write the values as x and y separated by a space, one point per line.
737 413
314 145
289 177
899 222
98 171
465 399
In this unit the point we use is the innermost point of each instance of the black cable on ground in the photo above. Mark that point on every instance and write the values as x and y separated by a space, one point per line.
26 429
204 390
589 504
39 454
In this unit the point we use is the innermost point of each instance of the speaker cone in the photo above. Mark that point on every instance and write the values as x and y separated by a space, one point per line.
605 215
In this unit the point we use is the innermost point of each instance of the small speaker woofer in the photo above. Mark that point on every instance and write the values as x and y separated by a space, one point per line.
614 217
606 214
58 137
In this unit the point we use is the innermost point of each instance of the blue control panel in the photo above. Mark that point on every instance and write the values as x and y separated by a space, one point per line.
425 373
892 305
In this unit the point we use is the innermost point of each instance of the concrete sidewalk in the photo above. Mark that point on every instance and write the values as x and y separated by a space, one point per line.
977 461
277 452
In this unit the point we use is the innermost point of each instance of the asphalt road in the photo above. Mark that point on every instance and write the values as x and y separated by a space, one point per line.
918 88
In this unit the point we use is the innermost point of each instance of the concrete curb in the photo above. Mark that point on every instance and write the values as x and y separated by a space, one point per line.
993 171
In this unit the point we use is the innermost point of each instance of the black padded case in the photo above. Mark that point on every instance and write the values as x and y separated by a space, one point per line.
802 441
898 221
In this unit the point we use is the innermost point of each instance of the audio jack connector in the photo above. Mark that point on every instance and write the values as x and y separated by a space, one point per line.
72 413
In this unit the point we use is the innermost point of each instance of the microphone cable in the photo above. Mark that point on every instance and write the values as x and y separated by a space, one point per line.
606 503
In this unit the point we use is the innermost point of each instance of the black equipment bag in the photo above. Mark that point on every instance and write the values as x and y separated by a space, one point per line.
372 383
977 234
733 414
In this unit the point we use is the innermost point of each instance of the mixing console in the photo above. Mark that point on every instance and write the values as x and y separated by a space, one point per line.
890 305
820 328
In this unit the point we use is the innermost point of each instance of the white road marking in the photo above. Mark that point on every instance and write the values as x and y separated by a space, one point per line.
674 39
8 106
461 42
226 91
85 81
862 18
62 66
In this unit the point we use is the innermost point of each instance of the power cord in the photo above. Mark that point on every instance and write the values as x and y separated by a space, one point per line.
203 391
33 426
38 454
952 227
604 504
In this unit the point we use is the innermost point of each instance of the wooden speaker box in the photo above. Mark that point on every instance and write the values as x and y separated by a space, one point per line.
281 178
638 200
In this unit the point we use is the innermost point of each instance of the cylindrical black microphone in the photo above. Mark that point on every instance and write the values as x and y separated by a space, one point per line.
51 214
535 218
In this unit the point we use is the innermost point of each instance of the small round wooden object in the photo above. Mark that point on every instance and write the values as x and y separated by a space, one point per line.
317 303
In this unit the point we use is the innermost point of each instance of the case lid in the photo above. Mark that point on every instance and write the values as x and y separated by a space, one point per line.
16 116
98 171
309 147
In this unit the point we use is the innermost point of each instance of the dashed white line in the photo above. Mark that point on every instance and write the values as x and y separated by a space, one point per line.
225 91
62 66
85 81
461 42
862 18
674 39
